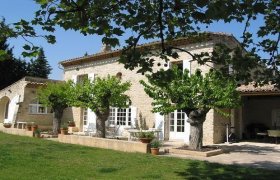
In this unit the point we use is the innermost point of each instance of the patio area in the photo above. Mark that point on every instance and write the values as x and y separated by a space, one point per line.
252 154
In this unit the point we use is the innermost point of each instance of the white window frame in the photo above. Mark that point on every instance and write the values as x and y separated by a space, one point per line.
37 106
175 120
114 117
81 78
85 116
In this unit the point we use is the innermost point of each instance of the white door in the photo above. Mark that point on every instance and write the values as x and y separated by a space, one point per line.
179 128
89 120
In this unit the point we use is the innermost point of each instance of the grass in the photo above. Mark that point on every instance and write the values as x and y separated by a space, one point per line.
32 158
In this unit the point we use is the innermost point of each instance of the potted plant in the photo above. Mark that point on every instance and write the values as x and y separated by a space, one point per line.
37 133
146 137
29 126
71 123
64 130
34 127
155 144
7 125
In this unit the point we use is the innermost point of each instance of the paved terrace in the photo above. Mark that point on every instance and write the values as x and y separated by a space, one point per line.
258 155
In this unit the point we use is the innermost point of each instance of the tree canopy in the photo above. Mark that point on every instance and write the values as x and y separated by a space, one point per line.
163 20
187 92
56 96
155 19
99 95
11 68
195 94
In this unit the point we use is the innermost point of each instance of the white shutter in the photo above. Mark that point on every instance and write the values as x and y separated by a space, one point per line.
159 124
187 65
91 76
92 120
74 78
133 116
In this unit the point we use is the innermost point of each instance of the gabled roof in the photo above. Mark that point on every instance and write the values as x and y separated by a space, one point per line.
32 81
156 44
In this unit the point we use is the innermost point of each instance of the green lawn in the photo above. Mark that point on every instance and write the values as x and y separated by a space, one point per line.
31 158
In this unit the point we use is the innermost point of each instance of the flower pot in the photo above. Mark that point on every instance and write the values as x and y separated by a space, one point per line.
154 151
71 124
28 128
145 140
34 127
7 125
64 131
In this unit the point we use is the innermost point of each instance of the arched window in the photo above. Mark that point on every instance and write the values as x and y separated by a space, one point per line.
35 107
7 109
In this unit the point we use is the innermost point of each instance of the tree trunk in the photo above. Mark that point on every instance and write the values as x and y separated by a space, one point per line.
57 120
196 136
100 124
196 119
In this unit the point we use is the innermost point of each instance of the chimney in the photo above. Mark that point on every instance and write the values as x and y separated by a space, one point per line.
106 48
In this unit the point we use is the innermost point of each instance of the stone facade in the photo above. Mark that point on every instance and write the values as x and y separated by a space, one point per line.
20 95
213 132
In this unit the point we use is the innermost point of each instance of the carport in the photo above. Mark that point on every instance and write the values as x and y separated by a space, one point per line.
259 112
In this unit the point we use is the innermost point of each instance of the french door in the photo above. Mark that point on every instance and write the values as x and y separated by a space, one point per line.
177 126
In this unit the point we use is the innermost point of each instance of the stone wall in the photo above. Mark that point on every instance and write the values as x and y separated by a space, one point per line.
119 145
220 121
44 120
20 132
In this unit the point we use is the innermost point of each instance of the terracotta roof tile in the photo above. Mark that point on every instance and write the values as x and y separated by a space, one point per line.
253 88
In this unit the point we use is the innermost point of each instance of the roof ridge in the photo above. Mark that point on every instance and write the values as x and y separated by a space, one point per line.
141 45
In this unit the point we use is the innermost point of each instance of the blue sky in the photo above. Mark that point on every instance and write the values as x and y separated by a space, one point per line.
72 44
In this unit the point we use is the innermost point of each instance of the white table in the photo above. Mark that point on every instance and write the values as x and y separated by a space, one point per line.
22 124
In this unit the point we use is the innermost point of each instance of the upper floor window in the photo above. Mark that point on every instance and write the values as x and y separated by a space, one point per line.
35 107
179 64
82 78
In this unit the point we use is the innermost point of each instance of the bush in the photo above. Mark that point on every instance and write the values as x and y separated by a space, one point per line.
149 135
155 144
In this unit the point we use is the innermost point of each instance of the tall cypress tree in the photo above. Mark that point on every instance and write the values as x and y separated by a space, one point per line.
40 66
11 69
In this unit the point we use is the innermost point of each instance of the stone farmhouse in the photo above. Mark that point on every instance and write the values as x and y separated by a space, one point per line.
173 126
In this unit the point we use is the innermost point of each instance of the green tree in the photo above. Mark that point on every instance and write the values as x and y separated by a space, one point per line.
56 96
164 20
11 69
194 94
40 66
99 95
